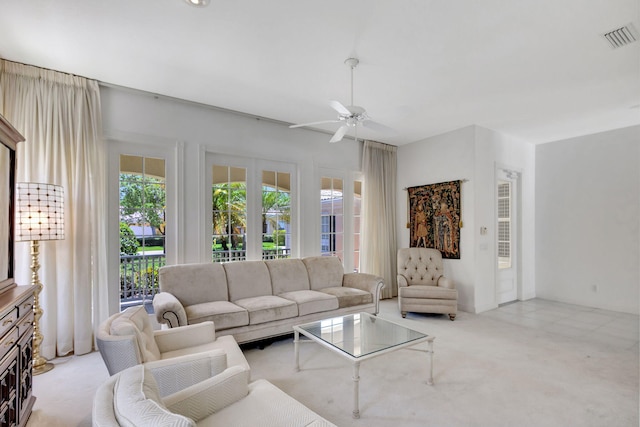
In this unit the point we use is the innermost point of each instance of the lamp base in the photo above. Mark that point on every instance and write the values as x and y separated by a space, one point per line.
40 366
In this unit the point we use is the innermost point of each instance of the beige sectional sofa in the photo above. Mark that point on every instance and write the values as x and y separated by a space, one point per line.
253 300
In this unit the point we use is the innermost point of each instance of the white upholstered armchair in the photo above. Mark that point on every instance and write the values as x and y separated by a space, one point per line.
127 339
422 288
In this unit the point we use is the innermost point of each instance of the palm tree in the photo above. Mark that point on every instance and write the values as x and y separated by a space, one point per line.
229 204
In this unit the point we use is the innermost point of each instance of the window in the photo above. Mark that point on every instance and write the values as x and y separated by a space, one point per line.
331 217
142 207
504 224
229 213
357 212
276 215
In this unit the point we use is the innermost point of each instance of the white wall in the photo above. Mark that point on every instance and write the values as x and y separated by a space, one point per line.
588 220
473 153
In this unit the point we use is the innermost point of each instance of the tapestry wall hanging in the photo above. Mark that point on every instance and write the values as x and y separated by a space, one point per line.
434 217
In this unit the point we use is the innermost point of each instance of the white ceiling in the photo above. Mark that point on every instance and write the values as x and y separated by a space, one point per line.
539 70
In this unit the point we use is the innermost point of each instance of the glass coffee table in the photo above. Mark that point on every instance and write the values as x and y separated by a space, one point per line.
360 337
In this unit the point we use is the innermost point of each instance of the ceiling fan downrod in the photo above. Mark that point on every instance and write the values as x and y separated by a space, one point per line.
352 63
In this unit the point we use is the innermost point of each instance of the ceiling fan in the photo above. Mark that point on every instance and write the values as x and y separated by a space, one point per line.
350 116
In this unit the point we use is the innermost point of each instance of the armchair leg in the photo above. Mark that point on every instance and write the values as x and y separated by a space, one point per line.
452 317
404 314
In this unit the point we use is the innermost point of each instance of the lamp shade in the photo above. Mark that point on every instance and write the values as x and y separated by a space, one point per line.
39 212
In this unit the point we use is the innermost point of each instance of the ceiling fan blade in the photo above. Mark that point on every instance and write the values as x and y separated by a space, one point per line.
378 127
339 133
341 109
314 123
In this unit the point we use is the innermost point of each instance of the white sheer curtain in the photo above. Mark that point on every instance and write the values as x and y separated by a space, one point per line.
379 164
59 115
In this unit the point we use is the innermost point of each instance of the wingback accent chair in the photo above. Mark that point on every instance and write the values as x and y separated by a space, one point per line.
422 288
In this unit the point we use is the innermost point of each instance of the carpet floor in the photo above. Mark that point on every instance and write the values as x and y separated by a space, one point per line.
530 363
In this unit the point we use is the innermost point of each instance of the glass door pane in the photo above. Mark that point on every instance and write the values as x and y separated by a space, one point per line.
229 209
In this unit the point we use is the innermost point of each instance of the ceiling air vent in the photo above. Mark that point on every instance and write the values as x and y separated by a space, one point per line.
621 36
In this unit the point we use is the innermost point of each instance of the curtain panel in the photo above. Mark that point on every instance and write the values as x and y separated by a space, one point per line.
379 246
60 117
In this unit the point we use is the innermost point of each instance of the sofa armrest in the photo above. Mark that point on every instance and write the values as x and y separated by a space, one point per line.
444 282
365 282
169 310
209 396
185 336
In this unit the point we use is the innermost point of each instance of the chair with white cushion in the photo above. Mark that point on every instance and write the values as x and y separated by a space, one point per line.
422 287
195 390
128 338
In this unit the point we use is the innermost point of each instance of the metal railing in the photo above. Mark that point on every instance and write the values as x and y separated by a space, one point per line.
139 277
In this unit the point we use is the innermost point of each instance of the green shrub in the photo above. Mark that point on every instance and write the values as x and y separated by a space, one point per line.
278 237
128 243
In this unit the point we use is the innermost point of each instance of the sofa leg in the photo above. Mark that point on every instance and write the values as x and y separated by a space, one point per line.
404 314
452 317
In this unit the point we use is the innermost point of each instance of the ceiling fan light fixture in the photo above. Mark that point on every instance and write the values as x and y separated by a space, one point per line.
197 3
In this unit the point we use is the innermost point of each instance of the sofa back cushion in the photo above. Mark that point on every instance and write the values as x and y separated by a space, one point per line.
194 283
247 279
288 275
324 271
137 402
135 321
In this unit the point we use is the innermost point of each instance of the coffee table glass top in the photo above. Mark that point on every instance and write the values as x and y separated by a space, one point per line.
360 334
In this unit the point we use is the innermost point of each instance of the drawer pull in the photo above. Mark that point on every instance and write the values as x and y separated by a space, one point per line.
9 344
27 305
7 322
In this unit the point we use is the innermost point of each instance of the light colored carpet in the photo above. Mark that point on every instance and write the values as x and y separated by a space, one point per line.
532 363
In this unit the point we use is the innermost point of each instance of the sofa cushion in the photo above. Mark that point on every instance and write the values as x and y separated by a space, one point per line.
430 292
348 297
288 275
312 301
135 321
137 402
194 283
223 314
268 308
247 279
324 271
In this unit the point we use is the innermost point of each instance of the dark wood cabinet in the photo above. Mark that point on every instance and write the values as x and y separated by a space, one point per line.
16 302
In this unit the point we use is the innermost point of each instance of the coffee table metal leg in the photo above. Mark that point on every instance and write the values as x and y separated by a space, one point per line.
356 390
296 341
430 380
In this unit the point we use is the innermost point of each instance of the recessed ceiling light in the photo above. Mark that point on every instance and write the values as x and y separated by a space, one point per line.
197 3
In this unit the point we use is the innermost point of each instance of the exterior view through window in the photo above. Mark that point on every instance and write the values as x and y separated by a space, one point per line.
276 215
229 208
331 218
357 212
142 227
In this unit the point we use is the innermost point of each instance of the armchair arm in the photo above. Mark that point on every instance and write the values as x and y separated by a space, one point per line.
444 282
185 336
209 396
402 281
177 373
169 310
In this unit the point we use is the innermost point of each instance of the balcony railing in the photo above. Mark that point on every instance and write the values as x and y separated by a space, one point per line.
139 273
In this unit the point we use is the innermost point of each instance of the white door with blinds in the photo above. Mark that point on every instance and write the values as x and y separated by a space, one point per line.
506 235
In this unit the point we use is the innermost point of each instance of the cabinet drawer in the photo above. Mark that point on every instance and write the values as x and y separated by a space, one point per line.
8 342
25 306
25 323
8 321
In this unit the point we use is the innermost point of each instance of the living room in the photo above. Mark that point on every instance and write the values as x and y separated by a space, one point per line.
579 232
